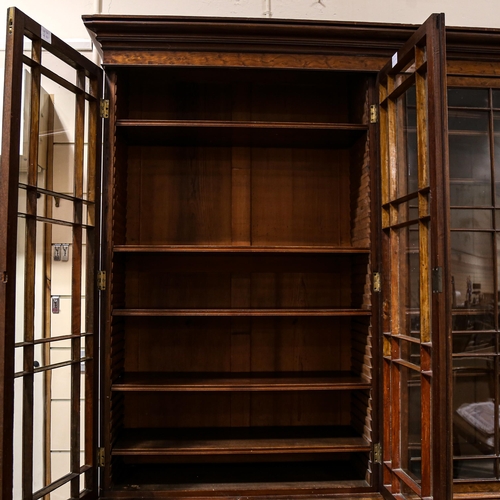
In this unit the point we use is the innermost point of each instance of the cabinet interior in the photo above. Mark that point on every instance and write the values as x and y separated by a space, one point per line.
240 329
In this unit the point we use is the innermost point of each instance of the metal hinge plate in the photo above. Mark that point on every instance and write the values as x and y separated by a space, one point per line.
377 453
437 280
373 113
104 108
101 280
377 286
100 457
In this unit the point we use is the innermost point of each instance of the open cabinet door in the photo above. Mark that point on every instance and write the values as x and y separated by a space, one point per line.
49 192
415 287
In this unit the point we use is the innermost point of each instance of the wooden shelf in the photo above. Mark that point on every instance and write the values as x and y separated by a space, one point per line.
238 249
218 382
242 312
239 441
244 133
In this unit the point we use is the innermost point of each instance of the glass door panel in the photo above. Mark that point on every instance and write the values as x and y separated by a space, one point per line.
474 127
413 163
50 167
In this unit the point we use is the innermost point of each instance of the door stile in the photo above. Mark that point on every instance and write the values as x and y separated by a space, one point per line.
440 233
8 238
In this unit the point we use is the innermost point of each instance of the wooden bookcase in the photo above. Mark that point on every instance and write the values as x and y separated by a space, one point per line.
297 264
240 330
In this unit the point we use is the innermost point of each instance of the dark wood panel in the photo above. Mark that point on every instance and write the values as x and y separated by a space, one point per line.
182 195
225 134
234 441
296 197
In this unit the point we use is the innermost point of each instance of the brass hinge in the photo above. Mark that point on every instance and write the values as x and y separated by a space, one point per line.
373 113
104 108
101 280
100 457
377 453
376 282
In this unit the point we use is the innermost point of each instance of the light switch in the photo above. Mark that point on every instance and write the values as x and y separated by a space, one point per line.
57 251
56 302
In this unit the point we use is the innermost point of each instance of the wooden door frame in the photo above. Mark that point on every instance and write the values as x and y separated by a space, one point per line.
19 27
438 429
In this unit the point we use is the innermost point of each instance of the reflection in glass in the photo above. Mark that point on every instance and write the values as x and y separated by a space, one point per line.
470 170
468 218
473 469
496 139
410 281
411 438
470 98
472 343
407 146
474 412
410 351
472 280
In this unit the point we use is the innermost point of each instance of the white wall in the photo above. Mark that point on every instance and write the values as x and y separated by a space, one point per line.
63 16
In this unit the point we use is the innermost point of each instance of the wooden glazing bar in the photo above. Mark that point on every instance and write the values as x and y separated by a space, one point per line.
56 194
401 87
58 79
54 366
51 339
47 309
57 47
408 481
408 223
59 222
76 289
29 281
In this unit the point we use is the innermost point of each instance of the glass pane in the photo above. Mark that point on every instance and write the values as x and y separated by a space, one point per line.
20 278
472 280
471 219
463 97
40 422
473 343
24 148
409 269
407 181
496 98
410 351
411 416
470 166
496 130
474 410
473 469
18 437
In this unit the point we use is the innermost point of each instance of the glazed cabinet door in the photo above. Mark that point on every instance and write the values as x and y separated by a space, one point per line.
49 189
415 245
